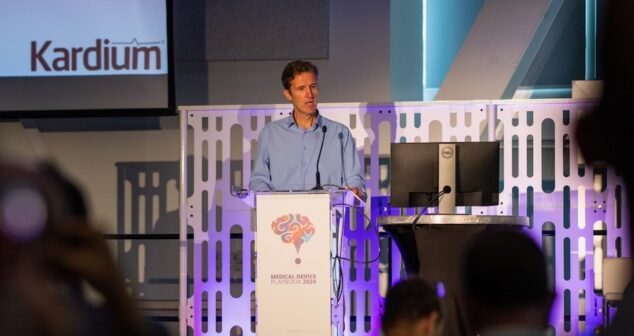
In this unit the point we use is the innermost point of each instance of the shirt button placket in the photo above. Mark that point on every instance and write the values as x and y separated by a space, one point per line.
305 156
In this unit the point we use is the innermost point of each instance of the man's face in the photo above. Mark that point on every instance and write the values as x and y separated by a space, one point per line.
303 93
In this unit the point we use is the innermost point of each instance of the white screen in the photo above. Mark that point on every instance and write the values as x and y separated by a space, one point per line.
84 55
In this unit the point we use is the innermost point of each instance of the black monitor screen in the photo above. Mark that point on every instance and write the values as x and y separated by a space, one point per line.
414 171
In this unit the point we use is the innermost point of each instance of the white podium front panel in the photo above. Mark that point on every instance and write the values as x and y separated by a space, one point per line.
293 280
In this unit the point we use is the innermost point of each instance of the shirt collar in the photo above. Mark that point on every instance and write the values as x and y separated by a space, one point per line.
290 121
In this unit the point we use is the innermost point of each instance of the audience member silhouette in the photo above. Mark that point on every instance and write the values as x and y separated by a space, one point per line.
505 288
30 302
412 308
606 134
60 253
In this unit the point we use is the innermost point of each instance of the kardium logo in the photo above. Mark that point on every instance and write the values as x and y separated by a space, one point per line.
102 55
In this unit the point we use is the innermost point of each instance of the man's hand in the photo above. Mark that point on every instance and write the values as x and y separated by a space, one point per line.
358 192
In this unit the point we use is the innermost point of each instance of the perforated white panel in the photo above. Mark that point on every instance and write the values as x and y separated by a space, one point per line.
543 178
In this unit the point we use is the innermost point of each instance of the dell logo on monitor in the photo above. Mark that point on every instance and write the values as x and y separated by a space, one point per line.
447 152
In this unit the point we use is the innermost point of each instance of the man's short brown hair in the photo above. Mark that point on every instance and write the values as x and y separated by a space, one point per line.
294 68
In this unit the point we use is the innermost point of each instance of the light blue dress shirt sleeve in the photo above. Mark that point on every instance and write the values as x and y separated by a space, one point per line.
351 165
261 174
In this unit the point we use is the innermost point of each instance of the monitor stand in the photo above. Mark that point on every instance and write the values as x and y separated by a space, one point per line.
447 177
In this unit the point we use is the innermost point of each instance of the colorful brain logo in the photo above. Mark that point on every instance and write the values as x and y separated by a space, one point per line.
294 229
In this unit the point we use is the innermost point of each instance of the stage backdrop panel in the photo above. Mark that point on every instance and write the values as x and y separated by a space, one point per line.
249 30
575 210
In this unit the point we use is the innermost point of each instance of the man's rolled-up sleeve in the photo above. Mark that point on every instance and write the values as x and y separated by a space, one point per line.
261 174
352 165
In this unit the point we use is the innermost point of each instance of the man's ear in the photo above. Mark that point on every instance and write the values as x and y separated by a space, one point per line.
287 94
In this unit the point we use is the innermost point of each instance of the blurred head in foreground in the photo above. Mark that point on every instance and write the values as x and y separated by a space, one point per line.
412 308
505 283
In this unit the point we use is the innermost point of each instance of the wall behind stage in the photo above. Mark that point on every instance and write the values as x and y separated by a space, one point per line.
357 67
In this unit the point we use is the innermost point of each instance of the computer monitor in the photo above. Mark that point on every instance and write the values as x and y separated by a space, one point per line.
444 175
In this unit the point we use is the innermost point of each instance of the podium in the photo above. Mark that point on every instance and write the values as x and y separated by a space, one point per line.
297 236
434 251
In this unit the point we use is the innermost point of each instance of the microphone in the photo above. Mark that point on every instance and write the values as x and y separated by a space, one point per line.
445 190
317 177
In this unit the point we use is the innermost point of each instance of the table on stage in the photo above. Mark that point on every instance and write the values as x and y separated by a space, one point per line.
434 251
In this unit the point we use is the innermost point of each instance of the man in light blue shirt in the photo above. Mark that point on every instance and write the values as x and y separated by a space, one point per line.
288 149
